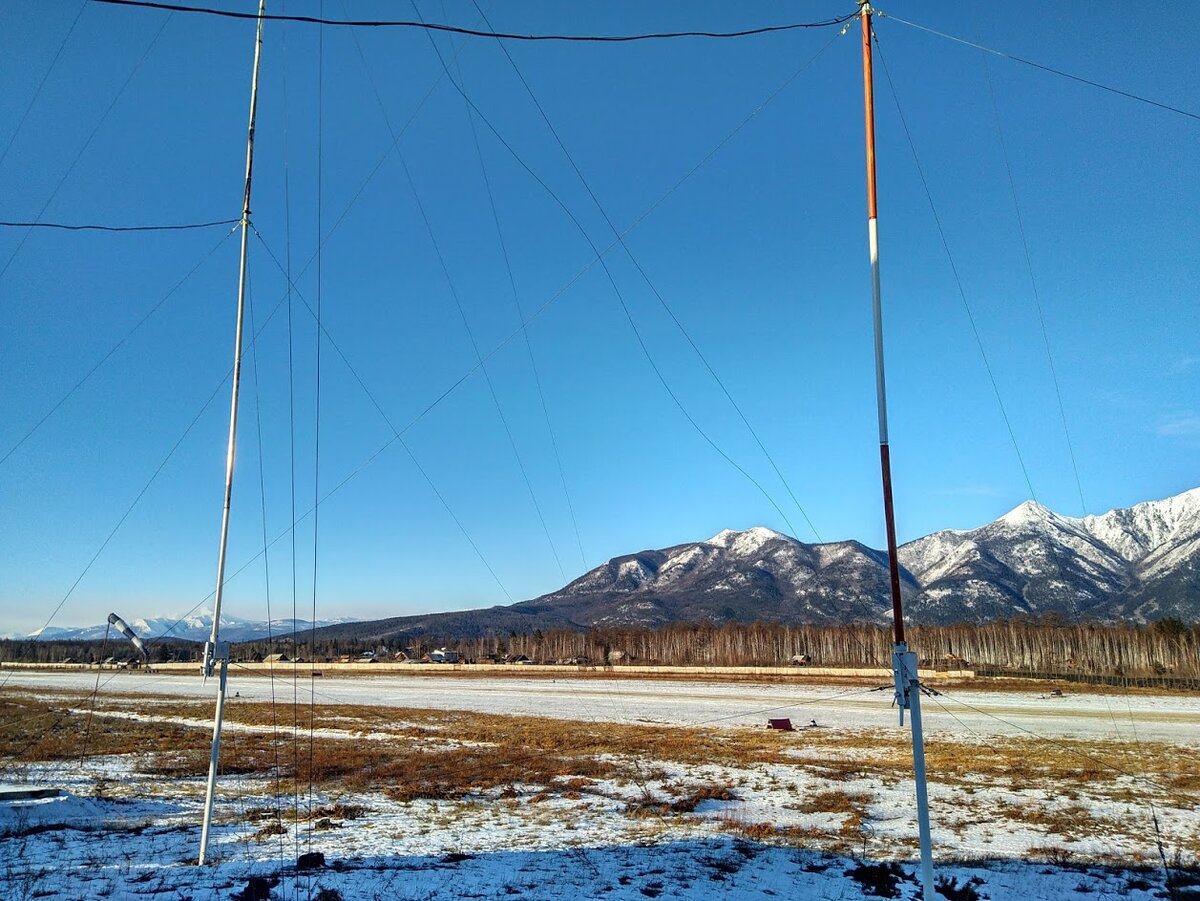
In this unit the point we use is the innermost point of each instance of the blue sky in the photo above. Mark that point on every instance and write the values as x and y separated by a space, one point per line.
760 254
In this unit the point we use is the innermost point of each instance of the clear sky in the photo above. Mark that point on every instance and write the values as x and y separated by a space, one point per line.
761 254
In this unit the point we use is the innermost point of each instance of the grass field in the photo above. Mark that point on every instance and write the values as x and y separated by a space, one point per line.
412 801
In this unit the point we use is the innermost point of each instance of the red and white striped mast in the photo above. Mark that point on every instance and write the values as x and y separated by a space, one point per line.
904 662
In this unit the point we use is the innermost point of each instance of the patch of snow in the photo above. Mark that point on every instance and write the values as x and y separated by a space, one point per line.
746 542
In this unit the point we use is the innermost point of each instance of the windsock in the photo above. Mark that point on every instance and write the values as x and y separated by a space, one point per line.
124 629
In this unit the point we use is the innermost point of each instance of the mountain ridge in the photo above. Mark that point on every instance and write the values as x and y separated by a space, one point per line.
1138 563
195 626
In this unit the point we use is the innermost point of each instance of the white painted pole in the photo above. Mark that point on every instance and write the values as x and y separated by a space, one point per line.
213 760
216 652
918 746
904 663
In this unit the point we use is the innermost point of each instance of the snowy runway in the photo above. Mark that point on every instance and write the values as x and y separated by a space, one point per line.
1080 714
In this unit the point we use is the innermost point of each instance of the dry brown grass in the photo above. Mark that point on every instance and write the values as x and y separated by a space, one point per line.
545 745
409 754
835 801
34 731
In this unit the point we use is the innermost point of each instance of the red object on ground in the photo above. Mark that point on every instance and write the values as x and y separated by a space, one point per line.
784 724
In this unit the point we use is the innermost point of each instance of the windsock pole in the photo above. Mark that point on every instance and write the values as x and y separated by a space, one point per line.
123 627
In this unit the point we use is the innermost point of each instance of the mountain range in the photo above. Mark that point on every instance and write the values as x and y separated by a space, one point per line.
1136 564
195 626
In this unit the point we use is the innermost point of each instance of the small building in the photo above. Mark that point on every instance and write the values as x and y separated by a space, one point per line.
277 658
516 658
800 660
442 655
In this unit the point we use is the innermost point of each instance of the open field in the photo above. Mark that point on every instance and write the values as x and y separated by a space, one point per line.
575 788
984 708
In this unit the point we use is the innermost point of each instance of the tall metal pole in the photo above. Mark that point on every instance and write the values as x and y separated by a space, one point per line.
216 652
904 663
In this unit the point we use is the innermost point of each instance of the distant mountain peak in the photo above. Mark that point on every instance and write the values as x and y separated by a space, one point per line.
195 626
1028 562
1025 513
1138 564
746 540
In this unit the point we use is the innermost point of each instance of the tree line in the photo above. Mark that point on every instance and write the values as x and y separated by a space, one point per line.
1168 646
23 650
1046 645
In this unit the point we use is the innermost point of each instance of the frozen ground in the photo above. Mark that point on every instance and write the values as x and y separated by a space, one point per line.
395 863
120 832
82 848
1079 714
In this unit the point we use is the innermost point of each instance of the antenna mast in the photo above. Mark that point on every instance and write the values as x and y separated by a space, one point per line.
216 652
904 662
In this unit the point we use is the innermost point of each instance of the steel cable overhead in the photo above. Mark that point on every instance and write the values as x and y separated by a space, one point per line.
461 311
41 84
1053 71
112 350
80 227
88 142
119 228
471 32
516 296
1033 285
954 271
145 488
1143 777
262 494
397 433
545 305
312 640
599 254
650 284
128 510
487 181
482 364
296 520
1092 758
291 352
450 389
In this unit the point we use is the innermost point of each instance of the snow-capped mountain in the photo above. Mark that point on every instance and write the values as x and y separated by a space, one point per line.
1139 564
753 574
196 626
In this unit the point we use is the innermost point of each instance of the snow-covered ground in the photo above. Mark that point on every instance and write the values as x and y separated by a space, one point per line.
1079 714
120 833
